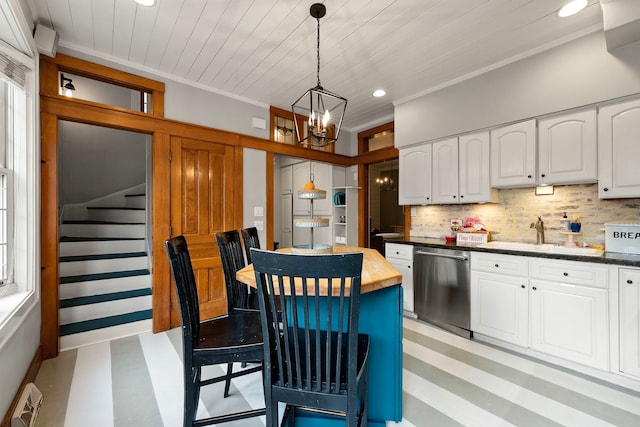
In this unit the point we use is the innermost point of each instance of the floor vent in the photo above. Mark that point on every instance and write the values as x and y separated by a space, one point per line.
28 406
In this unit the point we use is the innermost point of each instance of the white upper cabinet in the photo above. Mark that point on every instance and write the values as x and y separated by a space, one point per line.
444 187
619 150
513 155
567 148
322 179
301 175
461 170
414 186
474 175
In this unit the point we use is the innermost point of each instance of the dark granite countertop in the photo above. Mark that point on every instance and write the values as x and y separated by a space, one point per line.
606 258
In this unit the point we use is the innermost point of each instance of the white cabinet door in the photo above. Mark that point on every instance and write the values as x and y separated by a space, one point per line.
513 155
444 187
474 173
629 293
322 180
414 186
570 322
286 180
301 175
567 148
401 257
619 150
286 221
499 307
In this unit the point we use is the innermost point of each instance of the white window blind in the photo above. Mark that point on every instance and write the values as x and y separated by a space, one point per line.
12 71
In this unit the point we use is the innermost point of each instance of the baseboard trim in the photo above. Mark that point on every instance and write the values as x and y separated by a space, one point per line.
29 376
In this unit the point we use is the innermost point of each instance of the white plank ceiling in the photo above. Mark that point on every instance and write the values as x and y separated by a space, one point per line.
264 50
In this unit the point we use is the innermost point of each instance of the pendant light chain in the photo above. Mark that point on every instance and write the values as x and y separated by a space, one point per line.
318 53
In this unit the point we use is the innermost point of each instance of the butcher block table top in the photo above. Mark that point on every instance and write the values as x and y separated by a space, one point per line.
377 272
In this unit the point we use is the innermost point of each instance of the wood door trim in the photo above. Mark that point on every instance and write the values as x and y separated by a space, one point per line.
161 219
49 236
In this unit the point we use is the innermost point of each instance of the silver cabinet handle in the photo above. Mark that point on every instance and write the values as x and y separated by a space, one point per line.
460 257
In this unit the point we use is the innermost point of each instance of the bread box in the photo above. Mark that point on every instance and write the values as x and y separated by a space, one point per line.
623 237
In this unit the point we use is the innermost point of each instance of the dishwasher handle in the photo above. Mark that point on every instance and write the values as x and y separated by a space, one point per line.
460 257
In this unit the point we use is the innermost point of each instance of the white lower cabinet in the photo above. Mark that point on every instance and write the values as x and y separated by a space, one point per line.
401 257
629 294
499 306
556 307
570 322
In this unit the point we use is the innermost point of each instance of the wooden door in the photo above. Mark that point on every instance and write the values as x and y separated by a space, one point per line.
203 202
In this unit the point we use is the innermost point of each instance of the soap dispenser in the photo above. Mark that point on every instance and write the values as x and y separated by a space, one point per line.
565 224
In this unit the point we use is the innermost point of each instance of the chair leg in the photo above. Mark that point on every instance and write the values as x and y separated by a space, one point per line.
191 395
227 382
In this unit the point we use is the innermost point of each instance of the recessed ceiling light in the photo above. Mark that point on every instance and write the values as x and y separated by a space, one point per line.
378 93
572 8
146 2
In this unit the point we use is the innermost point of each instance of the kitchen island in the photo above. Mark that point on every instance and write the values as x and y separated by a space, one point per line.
381 319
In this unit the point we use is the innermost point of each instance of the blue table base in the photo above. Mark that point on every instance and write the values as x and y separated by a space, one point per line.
381 319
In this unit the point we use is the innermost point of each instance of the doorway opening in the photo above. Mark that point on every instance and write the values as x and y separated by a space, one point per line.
386 217
105 226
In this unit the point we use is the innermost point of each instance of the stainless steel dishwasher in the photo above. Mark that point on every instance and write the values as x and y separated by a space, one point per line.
442 288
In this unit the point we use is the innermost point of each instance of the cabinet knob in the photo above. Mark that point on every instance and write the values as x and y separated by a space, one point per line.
408 266
427 198
543 175
630 281
534 288
497 265
528 176
565 274
454 197
522 286
461 196
605 189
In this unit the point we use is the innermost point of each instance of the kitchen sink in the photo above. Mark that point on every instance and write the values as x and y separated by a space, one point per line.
546 248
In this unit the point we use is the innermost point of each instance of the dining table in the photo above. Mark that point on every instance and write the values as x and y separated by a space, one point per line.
381 319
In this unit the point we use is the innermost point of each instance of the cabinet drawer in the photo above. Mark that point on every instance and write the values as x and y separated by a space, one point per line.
397 250
577 273
501 264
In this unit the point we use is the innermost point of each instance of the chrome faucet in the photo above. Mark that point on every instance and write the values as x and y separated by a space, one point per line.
539 226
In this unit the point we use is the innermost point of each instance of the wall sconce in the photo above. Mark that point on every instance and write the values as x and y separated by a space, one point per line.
66 88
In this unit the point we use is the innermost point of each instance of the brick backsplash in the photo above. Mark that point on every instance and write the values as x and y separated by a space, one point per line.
511 217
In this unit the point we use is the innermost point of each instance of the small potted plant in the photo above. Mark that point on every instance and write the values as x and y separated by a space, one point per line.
575 224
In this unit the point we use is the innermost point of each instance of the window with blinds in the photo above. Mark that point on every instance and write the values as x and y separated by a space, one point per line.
12 132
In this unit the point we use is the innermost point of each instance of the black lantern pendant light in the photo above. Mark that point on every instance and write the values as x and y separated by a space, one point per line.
318 113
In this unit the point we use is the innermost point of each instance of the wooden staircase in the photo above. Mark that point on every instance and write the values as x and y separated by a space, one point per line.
105 281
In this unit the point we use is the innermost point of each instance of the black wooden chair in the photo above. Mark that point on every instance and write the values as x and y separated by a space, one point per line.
239 296
314 357
236 337
251 240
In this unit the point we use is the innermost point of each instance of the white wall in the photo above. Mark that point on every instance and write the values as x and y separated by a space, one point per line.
255 190
578 73
97 161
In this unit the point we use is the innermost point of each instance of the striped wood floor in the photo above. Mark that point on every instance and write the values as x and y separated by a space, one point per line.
447 381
